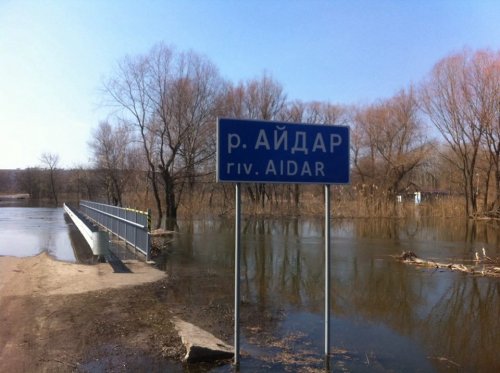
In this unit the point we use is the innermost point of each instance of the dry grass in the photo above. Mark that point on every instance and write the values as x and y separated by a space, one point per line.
214 200
343 205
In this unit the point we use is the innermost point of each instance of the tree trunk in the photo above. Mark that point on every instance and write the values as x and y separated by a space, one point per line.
171 207
296 195
53 187
156 194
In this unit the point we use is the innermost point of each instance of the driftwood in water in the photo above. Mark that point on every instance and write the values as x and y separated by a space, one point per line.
484 267
161 233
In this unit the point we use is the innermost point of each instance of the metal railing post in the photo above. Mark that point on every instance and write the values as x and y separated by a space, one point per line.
126 226
135 231
148 239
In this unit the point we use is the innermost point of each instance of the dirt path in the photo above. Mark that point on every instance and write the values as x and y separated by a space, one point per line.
57 316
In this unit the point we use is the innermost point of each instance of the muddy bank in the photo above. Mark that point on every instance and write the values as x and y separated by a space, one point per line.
67 317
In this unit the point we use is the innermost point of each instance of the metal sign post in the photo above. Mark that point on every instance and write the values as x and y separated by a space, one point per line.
237 251
327 270
250 151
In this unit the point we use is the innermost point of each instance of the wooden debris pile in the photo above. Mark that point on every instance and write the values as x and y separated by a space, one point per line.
481 265
160 241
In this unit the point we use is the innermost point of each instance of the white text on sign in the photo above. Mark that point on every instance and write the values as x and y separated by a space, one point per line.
280 142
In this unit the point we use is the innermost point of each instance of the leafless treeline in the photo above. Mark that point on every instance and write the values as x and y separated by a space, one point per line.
461 97
165 104
41 182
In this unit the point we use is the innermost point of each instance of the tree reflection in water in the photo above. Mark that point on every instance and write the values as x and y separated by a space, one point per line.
396 316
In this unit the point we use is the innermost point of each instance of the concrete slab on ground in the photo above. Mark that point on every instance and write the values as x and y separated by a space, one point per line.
200 344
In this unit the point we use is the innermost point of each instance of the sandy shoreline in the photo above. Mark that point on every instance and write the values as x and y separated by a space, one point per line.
43 275
38 294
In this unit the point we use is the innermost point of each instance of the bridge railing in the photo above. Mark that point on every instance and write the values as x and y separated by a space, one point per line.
97 240
132 226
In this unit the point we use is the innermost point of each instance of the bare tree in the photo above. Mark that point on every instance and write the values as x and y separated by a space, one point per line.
169 98
185 95
315 112
487 70
30 181
87 185
388 143
110 146
128 92
51 161
457 98
196 94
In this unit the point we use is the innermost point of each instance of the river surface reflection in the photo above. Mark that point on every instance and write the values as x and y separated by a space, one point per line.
386 316
28 231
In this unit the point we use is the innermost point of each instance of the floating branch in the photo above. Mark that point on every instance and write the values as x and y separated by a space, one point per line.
484 267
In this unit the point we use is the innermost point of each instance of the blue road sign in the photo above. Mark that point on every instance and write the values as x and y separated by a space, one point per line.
278 152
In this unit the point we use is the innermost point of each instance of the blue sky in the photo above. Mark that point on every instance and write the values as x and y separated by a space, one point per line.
54 54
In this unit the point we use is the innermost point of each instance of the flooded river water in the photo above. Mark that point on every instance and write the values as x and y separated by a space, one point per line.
27 231
386 316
